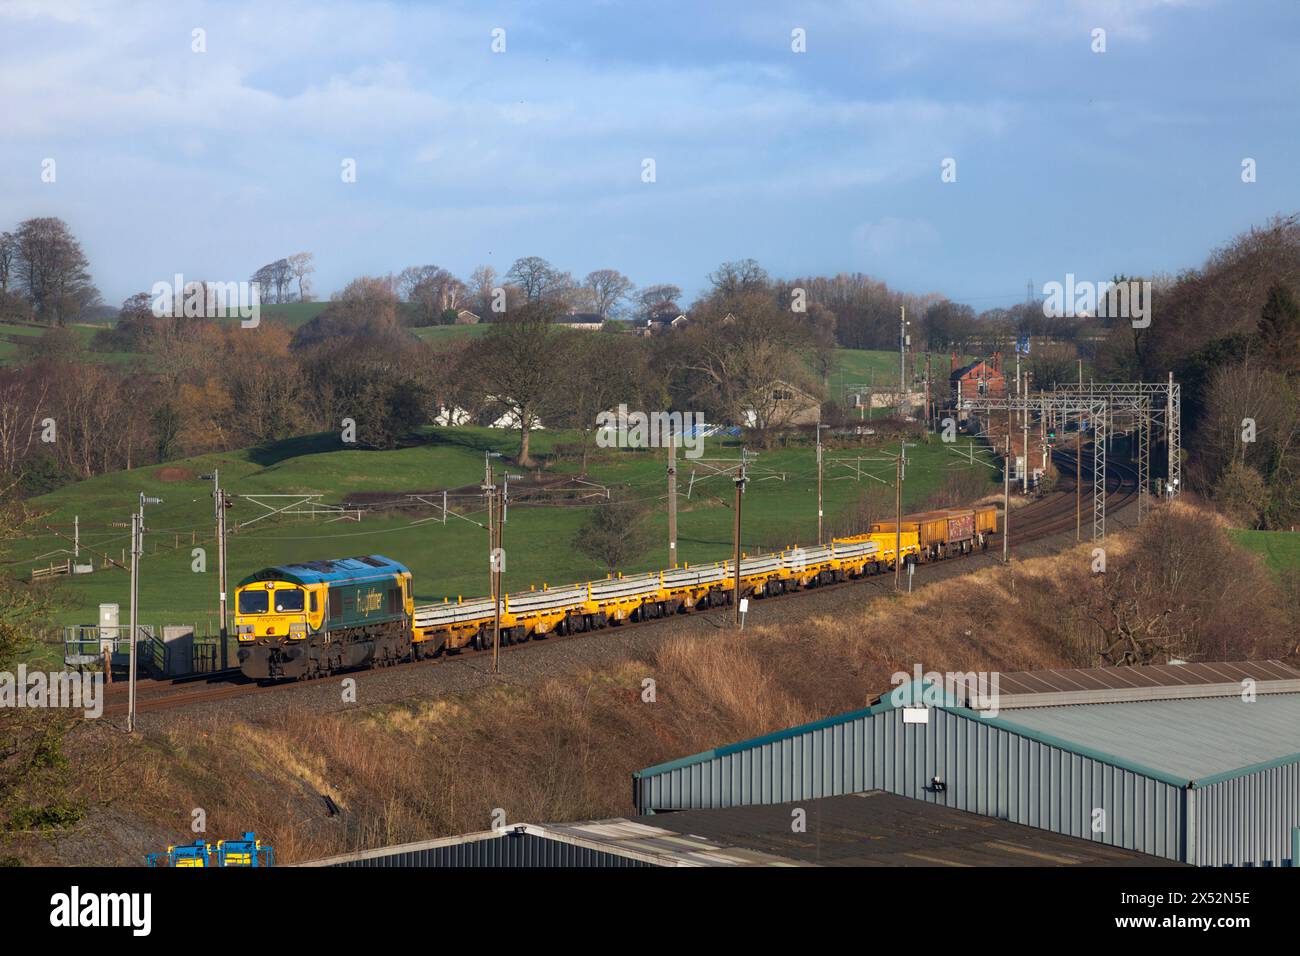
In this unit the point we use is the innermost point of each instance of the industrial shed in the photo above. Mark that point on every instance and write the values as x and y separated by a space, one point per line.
1197 763
863 829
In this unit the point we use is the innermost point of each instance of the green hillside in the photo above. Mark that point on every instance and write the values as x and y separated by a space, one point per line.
1280 549
449 333
14 335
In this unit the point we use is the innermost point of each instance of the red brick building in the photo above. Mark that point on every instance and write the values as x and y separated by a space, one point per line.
978 379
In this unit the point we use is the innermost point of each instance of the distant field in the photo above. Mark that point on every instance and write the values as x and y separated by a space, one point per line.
1281 549
447 560
448 333
863 367
880 369
11 351
855 366
293 314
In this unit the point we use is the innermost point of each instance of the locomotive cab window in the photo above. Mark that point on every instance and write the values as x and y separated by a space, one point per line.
315 604
252 602
288 601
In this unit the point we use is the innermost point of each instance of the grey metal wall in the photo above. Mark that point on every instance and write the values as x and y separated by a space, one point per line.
509 849
1246 821
986 769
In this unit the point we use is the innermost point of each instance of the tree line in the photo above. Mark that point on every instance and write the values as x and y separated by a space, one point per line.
201 385
1229 330
44 274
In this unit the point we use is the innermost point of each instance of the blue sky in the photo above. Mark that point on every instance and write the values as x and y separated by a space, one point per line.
211 164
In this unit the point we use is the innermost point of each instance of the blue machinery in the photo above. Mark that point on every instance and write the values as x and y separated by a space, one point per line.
247 851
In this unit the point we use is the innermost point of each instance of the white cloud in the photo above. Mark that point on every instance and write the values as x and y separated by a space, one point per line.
889 236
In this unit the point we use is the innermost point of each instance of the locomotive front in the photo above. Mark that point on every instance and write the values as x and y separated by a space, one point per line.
318 617
273 619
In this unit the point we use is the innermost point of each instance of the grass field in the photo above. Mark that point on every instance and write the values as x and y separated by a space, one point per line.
1281 549
447 560
11 351
880 368
863 367
293 314
447 333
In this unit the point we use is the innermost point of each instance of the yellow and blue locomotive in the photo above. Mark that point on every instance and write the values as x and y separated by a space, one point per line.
311 619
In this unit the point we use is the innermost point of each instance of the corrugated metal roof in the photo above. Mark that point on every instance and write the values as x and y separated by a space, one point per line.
594 843
1274 741
874 828
1199 741
1094 685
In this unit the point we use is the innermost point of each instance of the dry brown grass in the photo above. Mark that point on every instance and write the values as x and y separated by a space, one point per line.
564 749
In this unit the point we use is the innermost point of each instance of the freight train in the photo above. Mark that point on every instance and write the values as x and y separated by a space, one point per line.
315 618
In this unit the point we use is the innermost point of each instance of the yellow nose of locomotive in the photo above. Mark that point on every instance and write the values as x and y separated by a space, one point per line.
270 610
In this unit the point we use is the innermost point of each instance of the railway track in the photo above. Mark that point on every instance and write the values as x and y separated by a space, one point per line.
1052 515
1057 512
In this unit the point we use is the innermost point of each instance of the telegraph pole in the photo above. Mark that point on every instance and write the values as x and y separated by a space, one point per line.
929 418
137 551
489 493
820 537
1017 368
898 518
1010 447
1006 491
1024 423
130 708
1006 501
740 492
672 499
496 585
902 360
219 502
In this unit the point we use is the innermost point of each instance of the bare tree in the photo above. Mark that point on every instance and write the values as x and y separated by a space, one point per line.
1251 415
1224 297
8 255
300 266
22 406
515 369
540 280
740 364
658 298
1162 599
600 371
53 270
264 279
608 287
741 276
275 278
482 282
432 290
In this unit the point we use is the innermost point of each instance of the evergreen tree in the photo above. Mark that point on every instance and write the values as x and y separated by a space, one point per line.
1279 330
